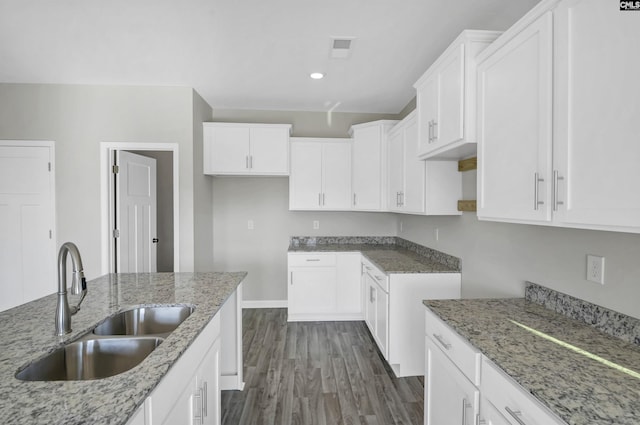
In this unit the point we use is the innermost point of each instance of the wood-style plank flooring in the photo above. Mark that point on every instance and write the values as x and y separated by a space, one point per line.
317 373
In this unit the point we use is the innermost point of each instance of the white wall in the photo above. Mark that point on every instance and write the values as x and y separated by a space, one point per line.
78 118
498 257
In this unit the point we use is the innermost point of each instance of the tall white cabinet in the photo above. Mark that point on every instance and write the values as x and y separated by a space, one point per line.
368 165
557 131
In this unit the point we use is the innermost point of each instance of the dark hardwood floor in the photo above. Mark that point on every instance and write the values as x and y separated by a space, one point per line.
317 373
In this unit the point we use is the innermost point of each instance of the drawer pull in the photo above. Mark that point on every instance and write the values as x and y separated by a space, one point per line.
312 259
378 278
515 414
441 340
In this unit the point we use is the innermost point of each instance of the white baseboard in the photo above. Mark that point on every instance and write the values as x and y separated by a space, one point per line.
231 383
264 304
327 317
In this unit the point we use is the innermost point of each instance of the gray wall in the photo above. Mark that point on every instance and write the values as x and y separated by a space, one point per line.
203 191
78 118
262 251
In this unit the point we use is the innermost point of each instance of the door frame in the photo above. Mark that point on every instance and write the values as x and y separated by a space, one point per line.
107 193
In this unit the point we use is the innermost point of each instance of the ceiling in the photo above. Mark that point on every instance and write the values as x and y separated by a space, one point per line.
243 54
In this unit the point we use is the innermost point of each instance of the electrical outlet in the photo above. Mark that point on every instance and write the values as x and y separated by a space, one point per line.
316 224
250 225
595 269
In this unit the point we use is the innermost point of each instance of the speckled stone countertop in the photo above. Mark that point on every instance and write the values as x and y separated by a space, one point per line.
389 254
27 334
579 389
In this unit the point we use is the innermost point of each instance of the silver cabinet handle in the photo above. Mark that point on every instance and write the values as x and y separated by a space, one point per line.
372 297
536 191
556 201
312 259
320 199
430 131
441 340
378 278
401 199
323 202
397 199
251 161
205 409
291 280
246 161
515 414
354 199
435 130
465 406
198 397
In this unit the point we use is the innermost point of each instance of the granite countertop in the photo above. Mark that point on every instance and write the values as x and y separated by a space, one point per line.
387 255
27 334
578 388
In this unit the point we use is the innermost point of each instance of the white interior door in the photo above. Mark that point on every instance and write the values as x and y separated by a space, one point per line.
136 213
27 247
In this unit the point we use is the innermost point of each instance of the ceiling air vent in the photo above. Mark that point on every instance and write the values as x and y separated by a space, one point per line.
341 47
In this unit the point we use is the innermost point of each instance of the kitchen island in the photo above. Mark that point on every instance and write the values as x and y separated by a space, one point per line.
581 374
28 333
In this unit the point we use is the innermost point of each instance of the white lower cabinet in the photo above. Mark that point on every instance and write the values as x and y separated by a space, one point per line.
377 305
462 386
449 397
324 286
138 417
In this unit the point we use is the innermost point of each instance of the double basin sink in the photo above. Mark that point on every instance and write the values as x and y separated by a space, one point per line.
115 345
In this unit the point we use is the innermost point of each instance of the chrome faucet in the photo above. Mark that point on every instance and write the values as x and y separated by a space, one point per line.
78 286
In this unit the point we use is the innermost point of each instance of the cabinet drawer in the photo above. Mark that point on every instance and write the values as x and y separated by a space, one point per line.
381 278
312 260
515 404
463 355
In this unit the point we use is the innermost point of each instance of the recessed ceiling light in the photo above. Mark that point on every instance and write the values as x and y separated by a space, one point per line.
317 75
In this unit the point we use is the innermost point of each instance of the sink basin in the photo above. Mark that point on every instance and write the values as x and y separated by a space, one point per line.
90 359
145 321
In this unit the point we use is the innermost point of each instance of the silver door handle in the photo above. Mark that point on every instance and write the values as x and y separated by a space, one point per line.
320 199
251 161
465 405
441 340
435 130
205 409
372 297
312 259
556 201
198 397
246 161
515 414
354 199
291 280
323 202
430 134
401 199
536 191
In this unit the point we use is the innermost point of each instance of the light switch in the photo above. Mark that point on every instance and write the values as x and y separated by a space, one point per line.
316 224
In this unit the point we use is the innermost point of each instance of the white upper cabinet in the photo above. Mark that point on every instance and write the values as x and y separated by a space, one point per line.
417 186
446 99
368 165
320 174
246 149
557 131
514 126
596 106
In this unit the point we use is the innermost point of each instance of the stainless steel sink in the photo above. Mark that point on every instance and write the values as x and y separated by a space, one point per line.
145 321
90 359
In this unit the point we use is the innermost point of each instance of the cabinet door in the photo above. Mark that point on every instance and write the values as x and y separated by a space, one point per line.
269 151
229 150
412 199
514 124
138 417
396 170
183 411
382 321
427 99
305 182
596 147
370 302
207 397
449 397
367 169
312 290
336 176
449 126
348 286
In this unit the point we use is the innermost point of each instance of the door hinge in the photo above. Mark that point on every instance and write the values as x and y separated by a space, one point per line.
116 233
49 166
115 169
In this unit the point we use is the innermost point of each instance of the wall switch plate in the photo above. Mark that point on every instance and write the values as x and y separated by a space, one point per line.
595 269
316 224
250 225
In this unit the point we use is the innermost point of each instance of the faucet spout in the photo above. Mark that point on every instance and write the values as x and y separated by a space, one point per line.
78 286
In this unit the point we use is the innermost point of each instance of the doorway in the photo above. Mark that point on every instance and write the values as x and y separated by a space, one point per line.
166 246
